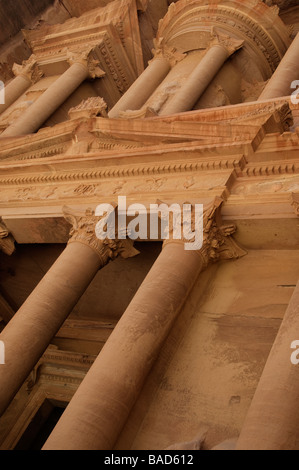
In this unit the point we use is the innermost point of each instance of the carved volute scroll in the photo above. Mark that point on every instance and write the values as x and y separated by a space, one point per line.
91 107
7 242
83 231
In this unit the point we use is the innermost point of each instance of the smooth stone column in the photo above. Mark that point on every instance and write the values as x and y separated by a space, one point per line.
100 407
49 101
273 416
287 72
26 74
30 331
143 87
14 90
201 77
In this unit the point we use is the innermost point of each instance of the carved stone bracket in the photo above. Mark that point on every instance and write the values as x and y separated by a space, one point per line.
87 57
162 50
29 69
84 231
7 242
295 202
218 243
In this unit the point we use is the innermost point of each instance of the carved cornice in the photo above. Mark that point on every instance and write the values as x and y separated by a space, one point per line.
29 70
236 162
218 243
87 58
7 242
295 202
84 231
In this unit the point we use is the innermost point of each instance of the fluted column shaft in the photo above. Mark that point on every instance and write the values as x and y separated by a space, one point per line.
143 87
199 79
49 101
288 70
273 416
103 401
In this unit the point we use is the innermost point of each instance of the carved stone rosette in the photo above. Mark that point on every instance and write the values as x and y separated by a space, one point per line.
87 57
218 243
295 202
7 242
83 231
29 70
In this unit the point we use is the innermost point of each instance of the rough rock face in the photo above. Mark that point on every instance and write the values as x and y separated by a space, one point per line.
282 4
14 15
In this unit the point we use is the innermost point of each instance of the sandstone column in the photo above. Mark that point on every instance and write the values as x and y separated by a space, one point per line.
30 331
54 96
287 71
272 419
26 75
102 403
217 54
143 87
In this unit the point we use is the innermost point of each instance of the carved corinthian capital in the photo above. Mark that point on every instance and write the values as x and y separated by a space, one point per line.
161 50
83 231
295 202
229 43
218 243
29 69
7 242
88 58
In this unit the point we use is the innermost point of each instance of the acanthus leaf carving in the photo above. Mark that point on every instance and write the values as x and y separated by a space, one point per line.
169 53
218 243
87 57
84 231
29 69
